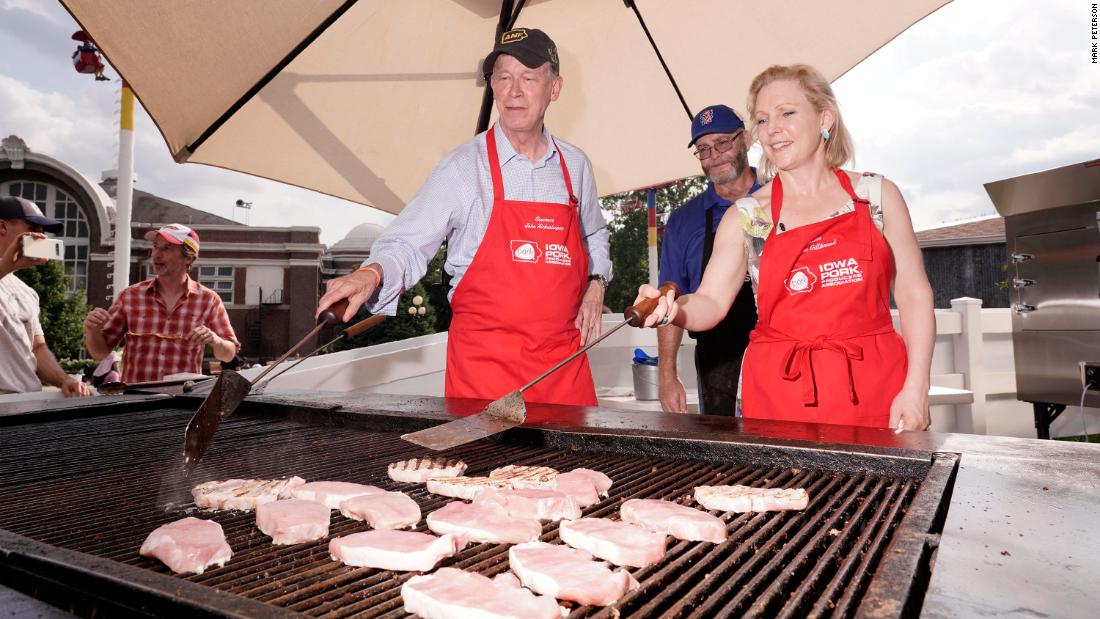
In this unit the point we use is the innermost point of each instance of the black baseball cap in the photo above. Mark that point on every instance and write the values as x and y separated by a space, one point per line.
530 46
12 207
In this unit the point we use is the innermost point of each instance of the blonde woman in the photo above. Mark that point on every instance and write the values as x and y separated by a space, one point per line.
825 248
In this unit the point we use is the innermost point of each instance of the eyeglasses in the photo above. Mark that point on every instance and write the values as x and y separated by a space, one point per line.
720 145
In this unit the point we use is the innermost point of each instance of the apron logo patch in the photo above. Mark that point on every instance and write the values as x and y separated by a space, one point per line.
840 272
800 280
556 253
525 251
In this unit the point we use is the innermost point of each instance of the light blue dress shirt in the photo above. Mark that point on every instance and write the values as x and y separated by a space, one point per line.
455 204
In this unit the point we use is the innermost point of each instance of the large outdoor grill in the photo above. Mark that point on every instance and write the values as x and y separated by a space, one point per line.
97 480
1052 231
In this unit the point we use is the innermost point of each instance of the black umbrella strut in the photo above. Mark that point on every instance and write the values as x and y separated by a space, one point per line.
508 18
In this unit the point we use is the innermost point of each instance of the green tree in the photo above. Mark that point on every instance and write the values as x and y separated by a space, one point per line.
61 313
629 235
405 325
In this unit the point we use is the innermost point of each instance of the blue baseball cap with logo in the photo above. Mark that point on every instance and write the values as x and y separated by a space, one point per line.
714 119
12 207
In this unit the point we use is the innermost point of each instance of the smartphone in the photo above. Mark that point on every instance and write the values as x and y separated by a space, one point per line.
50 249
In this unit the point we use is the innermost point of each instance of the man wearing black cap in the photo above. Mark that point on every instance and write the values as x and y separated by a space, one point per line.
527 245
25 360
721 144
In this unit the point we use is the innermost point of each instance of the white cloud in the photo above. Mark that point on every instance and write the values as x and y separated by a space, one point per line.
1082 144
36 7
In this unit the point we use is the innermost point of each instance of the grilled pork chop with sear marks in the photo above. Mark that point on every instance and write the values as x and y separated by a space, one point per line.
464 487
420 470
526 476
749 499
243 494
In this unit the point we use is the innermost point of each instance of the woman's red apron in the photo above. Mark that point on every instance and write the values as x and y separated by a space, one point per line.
824 349
515 308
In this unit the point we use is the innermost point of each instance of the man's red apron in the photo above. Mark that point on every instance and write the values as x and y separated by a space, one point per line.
514 309
825 349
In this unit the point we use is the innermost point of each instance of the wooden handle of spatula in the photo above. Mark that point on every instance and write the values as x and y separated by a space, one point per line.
364 325
636 314
333 313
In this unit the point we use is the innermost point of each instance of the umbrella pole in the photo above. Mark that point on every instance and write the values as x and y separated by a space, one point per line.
653 44
508 17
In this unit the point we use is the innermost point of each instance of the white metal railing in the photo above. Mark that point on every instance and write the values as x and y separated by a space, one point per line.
973 374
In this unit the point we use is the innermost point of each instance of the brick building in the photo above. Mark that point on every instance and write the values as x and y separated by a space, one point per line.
268 277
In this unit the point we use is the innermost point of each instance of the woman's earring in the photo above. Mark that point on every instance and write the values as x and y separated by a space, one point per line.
825 134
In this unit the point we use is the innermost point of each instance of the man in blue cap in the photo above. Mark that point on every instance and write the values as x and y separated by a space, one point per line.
26 363
721 144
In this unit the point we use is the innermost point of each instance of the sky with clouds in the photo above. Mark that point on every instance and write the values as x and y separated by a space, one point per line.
979 91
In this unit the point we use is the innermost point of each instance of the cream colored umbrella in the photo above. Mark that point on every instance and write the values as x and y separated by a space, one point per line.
359 98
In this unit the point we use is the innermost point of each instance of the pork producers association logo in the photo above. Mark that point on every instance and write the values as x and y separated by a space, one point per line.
840 272
557 253
800 280
525 251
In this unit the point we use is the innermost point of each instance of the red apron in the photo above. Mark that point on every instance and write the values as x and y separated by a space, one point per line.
514 311
824 349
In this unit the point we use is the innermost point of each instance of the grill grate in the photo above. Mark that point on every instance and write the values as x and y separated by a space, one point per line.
100 484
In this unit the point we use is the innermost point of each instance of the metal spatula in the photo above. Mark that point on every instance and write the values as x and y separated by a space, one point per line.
511 411
231 388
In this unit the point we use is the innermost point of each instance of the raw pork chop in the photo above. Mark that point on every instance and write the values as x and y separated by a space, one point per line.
451 592
384 510
483 522
188 545
331 493
584 485
618 542
677 520
749 499
535 503
293 521
526 476
242 494
402 551
420 470
568 574
464 487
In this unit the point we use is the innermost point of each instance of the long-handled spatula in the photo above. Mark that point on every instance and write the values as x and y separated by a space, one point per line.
510 411
231 388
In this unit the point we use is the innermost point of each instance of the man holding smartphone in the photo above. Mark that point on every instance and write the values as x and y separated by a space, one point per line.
26 363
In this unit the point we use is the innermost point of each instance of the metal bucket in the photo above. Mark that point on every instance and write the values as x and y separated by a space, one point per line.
645 382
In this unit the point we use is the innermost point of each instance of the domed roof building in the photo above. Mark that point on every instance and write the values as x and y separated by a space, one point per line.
348 253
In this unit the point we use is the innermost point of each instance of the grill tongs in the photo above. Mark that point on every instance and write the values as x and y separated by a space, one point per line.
231 388
510 410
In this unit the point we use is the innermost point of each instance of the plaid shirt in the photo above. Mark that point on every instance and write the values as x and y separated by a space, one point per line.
156 343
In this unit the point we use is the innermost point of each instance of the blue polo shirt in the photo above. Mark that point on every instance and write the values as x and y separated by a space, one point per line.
685 238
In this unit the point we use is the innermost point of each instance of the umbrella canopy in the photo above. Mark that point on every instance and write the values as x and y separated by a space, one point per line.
359 99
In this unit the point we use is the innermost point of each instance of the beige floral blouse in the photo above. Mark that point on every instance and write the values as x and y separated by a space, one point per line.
756 220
